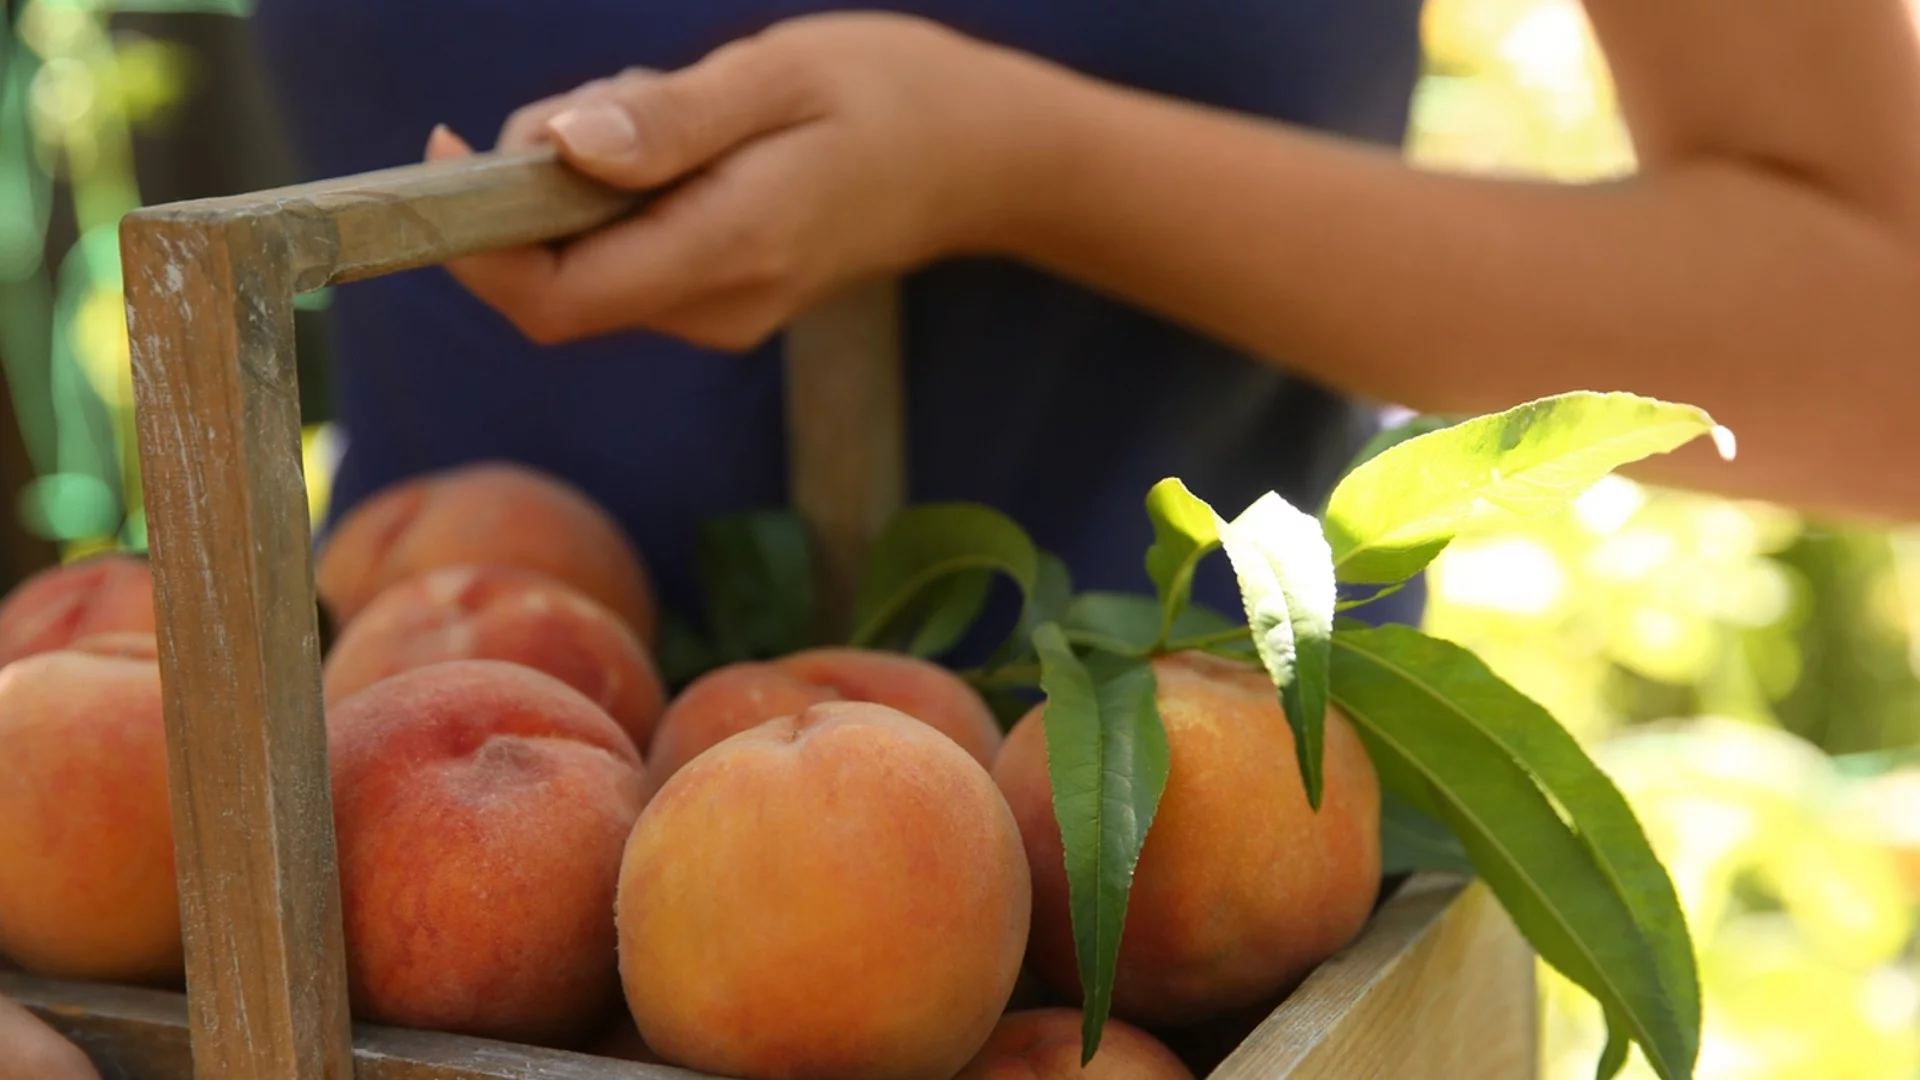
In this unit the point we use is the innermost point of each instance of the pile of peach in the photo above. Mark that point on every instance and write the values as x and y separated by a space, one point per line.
826 865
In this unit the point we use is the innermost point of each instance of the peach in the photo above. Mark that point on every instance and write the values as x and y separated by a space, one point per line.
1044 1044
840 893
86 840
731 699
481 808
501 613
1241 889
484 513
61 604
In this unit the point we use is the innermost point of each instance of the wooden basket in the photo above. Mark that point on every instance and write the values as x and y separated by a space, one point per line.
1439 985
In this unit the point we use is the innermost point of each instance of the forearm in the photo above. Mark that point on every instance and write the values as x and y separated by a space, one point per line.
1792 317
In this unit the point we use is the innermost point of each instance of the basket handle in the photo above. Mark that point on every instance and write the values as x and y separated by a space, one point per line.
209 291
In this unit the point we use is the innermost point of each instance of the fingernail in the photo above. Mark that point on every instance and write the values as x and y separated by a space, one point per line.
443 140
601 131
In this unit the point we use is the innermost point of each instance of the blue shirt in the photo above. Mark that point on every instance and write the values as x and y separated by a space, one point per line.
1024 392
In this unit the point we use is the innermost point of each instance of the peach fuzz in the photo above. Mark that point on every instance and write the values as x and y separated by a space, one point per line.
1241 889
61 604
728 700
86 839
487 513
1044 1044
839 894
480 809
501 613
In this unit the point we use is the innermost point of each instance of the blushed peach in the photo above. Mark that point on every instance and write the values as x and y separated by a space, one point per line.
62 604
839 894
1044 1044
487 513
1241 889
481 808
501 613
731 699
86 840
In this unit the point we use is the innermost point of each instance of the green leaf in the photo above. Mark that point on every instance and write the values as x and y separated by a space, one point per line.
1586 890
1388 438
920 550
1411 840
944 611
1392 515
756 574
683 654
1185 529
1048 602
1286 580
1613 1057
1107 761
1133 622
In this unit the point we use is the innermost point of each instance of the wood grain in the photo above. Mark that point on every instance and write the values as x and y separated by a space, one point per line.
210 315
846 436
1440 986
370 224
138 1034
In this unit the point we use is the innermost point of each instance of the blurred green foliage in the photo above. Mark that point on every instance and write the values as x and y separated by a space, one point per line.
1715 654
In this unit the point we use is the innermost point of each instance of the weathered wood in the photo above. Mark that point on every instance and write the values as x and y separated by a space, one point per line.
363 226
846 435
1440 986
138 1034
210 314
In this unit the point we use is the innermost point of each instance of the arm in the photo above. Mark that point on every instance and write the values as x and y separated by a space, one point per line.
1764 264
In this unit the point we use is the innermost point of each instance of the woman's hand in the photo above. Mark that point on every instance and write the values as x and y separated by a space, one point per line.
30 1050
825 150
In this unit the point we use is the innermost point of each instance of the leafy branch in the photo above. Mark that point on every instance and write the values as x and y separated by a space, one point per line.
1474 773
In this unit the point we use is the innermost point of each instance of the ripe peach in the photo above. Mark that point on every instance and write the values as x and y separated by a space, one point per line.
484 513
838 894
86 840
481 808
729 700
1044 1044
501 613
1241 889
62 604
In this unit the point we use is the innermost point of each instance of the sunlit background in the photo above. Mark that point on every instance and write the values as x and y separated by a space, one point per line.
1748 676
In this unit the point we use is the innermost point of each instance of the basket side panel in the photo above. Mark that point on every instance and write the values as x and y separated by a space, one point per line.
1440 986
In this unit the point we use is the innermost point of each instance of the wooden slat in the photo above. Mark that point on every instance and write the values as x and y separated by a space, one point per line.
363 226
210 314
1440 986
846 435
139 1034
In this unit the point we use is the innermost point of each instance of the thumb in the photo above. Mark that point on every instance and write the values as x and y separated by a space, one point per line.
646 132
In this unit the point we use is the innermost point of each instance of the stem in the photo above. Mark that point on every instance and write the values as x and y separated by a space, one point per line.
1380 594
1022 675
1207 641
1105 643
